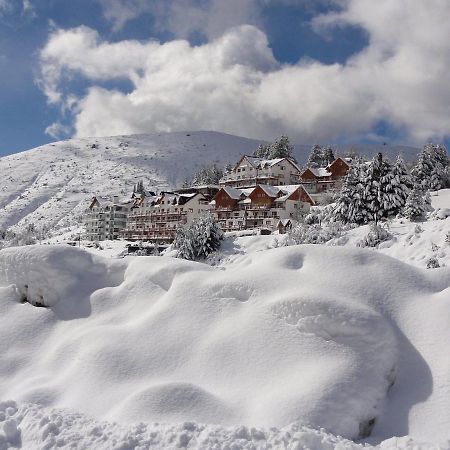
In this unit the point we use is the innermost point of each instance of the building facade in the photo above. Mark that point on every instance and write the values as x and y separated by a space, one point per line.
251 171
105 221
262 206
157 220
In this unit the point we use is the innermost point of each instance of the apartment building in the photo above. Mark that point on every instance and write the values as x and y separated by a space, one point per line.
105 220
251 171
157 219
262 206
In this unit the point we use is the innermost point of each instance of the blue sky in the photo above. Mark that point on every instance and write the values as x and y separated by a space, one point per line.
320 71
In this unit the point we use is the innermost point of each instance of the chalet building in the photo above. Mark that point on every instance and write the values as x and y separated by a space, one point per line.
157 219
251 171
261 207
325 179
107 219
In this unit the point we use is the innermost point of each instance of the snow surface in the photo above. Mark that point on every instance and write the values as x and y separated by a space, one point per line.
302 336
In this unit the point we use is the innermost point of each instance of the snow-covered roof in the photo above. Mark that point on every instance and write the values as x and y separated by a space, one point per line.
261 162
271 191
283 198
320 171
233 193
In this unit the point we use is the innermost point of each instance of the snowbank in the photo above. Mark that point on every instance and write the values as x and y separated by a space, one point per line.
43 275
32 426
309 335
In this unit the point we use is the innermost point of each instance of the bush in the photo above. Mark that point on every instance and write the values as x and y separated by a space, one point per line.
198 239
376 235
314 234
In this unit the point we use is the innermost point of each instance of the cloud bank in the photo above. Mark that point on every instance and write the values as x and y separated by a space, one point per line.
233 83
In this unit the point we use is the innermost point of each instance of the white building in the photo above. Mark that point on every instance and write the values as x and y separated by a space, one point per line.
251 171
106 220
157 219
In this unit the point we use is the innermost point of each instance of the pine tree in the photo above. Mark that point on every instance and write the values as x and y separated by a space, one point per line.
281 148
351 204
399 187
315 158
198 239
263 151
205 175
378 187
432 168
417 203
413 209
328 156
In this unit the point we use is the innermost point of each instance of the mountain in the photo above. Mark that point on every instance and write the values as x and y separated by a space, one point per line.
50 186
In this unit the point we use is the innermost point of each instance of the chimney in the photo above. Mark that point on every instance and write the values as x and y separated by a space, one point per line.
116 199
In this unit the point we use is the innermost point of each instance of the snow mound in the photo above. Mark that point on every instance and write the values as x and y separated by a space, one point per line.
45 275
342 339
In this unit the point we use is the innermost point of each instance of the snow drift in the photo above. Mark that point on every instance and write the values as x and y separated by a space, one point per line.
344 339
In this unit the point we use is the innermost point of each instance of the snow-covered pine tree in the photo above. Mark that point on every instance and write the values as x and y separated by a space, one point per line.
208 234
434 182
328 156
198 239
206 175
315 158
184 243
399 187
281 148
433 162
351 204
417 204
378 187
263 151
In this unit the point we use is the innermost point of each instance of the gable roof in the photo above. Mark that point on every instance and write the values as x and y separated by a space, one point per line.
344 160
271 191
233 193
263 163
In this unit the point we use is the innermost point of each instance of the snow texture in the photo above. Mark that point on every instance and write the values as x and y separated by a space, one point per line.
316 336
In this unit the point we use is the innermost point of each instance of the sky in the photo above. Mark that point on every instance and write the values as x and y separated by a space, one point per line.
320 71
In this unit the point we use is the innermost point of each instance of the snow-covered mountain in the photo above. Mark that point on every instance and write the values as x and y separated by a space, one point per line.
50 186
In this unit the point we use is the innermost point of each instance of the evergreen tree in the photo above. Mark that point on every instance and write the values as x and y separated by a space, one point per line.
432 168
263 151
205 175
139 187
351 206
281 148
378 186
328 156
417 203
399 187
315 158
198 239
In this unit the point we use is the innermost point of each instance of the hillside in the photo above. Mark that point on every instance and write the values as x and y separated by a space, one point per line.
50 186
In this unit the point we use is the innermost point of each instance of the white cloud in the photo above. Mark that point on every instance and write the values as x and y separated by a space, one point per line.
5 6
183 17
233 83
57 130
